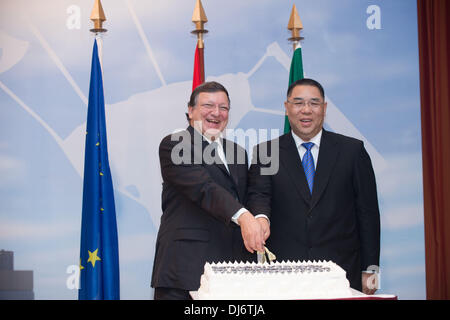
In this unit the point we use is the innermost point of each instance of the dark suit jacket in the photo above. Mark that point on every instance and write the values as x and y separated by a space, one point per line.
198 201
339 222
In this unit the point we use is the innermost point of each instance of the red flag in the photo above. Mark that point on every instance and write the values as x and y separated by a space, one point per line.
199 68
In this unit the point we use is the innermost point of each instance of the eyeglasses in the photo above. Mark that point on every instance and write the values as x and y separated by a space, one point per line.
300 103
211 106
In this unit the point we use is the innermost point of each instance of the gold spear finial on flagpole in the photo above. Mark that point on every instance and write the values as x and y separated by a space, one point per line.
295 25
98 17
199 18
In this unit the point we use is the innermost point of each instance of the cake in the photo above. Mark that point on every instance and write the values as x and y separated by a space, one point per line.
273 281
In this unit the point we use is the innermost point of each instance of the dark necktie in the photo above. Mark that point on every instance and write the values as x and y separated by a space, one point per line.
308 164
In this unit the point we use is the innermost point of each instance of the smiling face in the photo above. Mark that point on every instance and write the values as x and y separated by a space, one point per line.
306 111
210 114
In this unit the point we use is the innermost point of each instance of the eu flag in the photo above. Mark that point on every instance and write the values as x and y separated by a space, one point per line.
99 253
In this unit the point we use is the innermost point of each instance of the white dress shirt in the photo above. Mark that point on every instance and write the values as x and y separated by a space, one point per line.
314 150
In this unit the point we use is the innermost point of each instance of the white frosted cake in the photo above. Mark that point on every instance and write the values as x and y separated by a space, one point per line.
277 280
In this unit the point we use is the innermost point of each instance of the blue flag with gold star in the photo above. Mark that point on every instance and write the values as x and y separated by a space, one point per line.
99 252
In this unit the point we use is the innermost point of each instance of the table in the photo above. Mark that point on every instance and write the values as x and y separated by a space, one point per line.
355 295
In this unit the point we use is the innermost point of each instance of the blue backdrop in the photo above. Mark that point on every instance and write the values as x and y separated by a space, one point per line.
365 53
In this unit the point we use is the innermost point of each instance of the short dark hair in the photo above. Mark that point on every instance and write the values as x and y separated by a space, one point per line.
210 86
306 82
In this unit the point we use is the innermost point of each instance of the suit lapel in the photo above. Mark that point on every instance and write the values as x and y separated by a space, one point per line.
200 154
198 145
232 166
229 149
290 159
328 154
231 158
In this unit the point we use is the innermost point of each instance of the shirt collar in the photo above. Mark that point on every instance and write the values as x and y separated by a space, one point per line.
218 140
316 139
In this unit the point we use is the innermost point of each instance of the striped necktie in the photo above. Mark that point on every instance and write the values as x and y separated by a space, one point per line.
308 164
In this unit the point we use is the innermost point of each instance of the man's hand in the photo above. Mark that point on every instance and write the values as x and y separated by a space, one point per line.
369 283
265 227
252 232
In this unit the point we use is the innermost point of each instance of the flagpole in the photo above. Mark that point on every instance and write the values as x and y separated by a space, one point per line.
296 71
199 19
295 26
98 17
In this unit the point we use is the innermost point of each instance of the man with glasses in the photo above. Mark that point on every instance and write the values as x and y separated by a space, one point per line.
322 203
203 197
